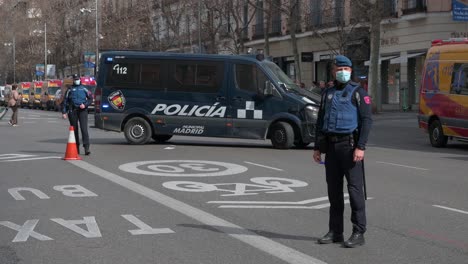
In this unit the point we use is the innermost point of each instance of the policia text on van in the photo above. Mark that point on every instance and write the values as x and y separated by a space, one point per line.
158 95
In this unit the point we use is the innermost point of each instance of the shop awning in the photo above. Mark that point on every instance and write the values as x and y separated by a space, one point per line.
367 63
400 59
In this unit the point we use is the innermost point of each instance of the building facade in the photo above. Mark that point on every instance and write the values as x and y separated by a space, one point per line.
404 42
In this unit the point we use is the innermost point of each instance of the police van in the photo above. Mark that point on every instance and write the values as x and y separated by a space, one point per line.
157 95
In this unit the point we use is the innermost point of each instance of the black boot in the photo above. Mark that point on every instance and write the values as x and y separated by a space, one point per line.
355 240
86 150
331 237
78 149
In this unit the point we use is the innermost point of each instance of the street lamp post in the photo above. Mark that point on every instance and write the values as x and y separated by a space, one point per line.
96 63
96 60
14 56
45 51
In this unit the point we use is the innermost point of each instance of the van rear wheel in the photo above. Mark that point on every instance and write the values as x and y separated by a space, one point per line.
436 135
137 131
161 138
282 135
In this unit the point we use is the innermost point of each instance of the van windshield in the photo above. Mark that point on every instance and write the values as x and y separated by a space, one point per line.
287 84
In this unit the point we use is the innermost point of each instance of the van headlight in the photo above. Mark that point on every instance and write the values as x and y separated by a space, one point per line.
311 113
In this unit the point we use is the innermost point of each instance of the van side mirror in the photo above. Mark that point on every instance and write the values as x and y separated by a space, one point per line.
46 93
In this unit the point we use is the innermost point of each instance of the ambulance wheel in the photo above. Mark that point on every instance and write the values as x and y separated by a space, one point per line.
161 138
282 135
436 135
137 131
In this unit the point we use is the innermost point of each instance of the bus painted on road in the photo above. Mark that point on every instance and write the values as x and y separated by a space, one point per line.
158 95
443 104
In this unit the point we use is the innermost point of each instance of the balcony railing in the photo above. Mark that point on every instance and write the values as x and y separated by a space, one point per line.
413 6
258 31
275 29
326 17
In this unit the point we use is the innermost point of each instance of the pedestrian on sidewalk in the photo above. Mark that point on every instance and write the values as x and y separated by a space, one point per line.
343 125
13 104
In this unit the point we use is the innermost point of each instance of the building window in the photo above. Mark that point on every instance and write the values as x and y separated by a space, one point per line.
390 8
413 6
328 13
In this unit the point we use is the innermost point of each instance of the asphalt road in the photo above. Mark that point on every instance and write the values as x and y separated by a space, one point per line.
210 200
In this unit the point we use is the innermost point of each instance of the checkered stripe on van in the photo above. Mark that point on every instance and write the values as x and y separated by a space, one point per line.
249 111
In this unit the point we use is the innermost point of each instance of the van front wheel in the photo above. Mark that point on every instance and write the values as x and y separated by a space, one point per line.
282 135
137 131
436 135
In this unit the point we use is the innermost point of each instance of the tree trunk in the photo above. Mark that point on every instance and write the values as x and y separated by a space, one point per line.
292 31
266 30
374 66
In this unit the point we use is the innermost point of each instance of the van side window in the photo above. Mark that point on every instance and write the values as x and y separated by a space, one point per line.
151 75
203 77
119 74
459 79
249 78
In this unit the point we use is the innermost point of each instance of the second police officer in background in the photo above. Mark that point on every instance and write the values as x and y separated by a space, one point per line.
75 104
343 127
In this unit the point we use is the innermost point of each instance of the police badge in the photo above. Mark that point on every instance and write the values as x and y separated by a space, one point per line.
117 100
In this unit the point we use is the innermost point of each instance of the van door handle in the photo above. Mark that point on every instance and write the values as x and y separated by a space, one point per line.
220 98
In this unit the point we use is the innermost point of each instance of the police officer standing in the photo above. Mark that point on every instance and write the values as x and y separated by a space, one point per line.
75 103
343 127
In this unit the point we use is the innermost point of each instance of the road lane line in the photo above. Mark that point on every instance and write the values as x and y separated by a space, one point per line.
400 165
260 165
38 158
320 199
450 209
264 244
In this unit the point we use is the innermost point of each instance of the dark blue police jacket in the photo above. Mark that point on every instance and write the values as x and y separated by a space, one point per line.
341 115
74 97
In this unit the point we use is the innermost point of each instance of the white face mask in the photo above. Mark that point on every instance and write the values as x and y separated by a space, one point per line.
343 76
77 82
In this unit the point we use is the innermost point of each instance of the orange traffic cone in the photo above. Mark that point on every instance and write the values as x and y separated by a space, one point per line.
72 152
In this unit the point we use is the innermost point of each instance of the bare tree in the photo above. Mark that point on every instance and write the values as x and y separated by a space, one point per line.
239 17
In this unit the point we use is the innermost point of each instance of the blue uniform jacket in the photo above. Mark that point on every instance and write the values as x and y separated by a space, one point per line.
74 97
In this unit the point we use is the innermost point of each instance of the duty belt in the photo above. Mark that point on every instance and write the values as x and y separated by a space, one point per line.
338 138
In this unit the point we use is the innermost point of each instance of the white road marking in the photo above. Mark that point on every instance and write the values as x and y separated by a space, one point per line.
325 198
143 228
264 244
399 165
89 221
450 209
39 118
29 122
170 147
12 156
260 165
38 158
183 168
25 231
319 206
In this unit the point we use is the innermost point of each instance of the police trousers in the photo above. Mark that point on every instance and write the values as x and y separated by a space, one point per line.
339 164
76 116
